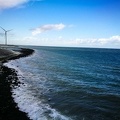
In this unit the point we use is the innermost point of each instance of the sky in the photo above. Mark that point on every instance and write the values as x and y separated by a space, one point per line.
67 23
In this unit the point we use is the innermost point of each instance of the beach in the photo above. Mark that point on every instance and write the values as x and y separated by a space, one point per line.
8 79
60 83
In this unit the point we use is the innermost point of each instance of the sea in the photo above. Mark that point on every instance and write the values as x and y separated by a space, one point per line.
64 83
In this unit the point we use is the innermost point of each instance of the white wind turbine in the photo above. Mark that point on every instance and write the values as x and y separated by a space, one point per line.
6 31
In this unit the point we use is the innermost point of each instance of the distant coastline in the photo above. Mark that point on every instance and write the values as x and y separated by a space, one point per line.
8 108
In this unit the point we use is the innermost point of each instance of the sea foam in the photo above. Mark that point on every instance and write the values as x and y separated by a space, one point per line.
27 101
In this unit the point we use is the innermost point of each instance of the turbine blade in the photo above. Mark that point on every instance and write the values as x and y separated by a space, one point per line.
3 28
9 30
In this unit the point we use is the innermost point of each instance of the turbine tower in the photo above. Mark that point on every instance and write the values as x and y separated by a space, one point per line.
6 31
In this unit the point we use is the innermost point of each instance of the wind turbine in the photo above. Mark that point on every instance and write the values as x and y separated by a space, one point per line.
6 31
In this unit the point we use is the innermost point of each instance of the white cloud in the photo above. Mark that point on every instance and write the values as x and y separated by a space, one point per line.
113 41
47 27
11 3
4 4
43 40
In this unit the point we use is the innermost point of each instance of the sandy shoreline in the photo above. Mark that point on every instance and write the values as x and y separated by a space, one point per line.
8 108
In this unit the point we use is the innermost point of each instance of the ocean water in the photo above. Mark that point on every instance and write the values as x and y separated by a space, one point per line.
69 84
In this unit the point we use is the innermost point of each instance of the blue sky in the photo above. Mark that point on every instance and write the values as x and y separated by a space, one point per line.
73 23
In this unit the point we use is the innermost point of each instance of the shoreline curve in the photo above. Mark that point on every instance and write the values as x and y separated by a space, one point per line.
8 107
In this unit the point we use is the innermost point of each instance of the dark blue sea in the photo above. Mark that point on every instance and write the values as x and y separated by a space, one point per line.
69 84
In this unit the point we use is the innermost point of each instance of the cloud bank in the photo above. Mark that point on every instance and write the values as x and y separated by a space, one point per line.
4 4
102 41
47 27
111 42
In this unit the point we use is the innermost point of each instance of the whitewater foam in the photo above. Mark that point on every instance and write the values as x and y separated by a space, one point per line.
28 102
